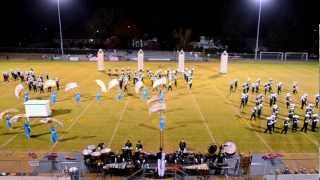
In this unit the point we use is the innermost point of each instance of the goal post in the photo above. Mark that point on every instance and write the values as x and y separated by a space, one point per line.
271 55
296 56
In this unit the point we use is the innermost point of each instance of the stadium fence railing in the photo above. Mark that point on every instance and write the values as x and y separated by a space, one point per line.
293 168
86 54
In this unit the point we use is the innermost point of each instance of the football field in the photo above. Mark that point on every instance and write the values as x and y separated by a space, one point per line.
205 114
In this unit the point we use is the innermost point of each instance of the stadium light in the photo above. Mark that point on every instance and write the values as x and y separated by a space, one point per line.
258 31
60 28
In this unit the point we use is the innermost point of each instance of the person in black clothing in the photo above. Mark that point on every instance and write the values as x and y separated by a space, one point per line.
41 87
175 82
242 101
285 126
170 86
127 151
34 85
139 146
279 87
317 100
212 149
182 145
253 113
305 124
259 111
220 161
315 120
231 87
128 144
269 126
57 84
30 85
304 99
246 99
295 123
288 100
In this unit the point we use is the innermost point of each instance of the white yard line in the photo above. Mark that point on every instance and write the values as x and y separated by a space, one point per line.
203 118
258 135
8 141
115 130
311 140
74 122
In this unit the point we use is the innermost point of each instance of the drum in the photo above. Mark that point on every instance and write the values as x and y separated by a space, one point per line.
86 153
95 155
127 148
104 154
105 151
127 153
92 147
229 148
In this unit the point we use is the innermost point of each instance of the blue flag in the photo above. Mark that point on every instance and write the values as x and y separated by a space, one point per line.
77 98
98 96
8 123
27 130
162 123
145 94
120 96
54 135
26 97
53 97
161 96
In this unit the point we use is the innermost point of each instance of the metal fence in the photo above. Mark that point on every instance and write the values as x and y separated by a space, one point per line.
291 169
151 55
42 168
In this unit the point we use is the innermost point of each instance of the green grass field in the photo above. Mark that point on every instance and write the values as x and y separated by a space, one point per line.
203 115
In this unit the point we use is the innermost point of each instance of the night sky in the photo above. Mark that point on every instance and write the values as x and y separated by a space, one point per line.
285 24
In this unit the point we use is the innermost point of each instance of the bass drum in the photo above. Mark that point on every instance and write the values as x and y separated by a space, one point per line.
229 148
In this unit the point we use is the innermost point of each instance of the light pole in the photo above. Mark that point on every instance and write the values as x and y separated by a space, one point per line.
258 32
61 39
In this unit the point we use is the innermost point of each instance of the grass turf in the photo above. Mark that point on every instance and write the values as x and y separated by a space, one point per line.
203 115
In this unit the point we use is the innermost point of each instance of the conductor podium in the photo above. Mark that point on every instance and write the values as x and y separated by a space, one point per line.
37 108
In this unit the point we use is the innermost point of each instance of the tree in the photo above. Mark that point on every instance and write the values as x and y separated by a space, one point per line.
127 29
182 37
101 24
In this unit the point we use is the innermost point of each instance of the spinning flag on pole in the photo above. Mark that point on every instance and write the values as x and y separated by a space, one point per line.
157 107
156 83
113 83
153 99
8 111
18 90
50 83
54 135
15 118
52 121
70 86
102 86
27 130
